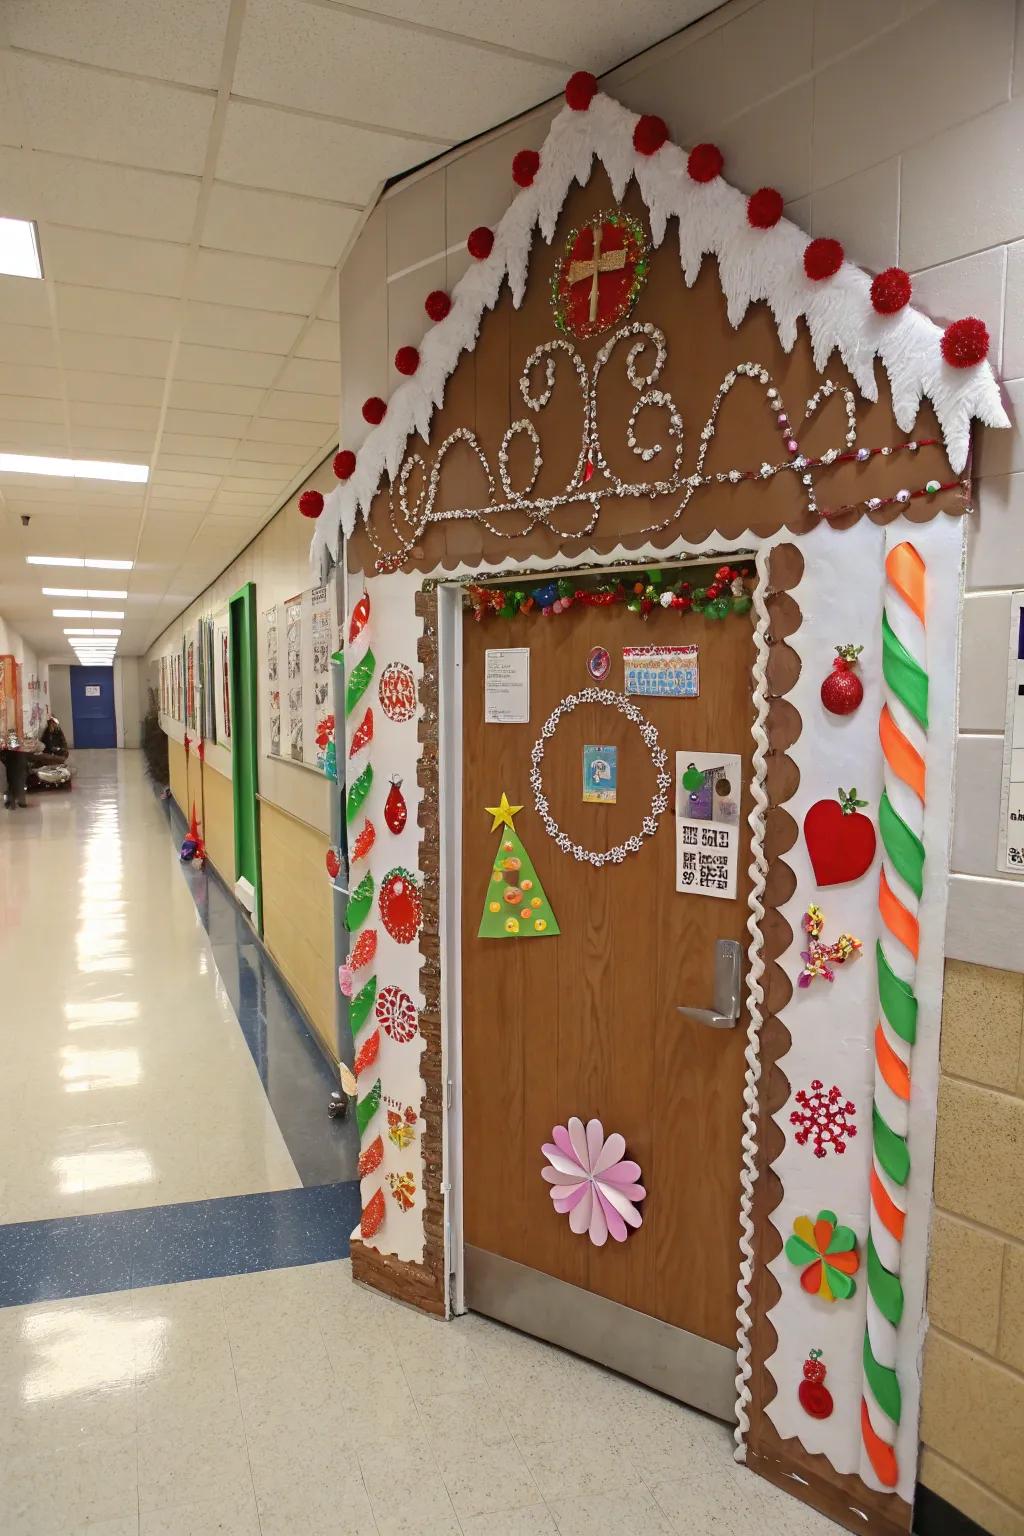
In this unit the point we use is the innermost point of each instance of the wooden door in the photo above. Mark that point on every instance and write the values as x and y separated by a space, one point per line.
587 1023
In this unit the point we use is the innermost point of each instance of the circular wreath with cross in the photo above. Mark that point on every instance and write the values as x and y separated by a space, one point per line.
600 275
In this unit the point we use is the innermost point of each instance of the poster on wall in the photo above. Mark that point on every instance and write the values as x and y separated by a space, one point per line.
707 822
222 676
1011 819
207 689
300 636
661 671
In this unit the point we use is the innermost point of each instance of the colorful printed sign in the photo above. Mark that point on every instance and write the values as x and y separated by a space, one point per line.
661 671
707 822
600 775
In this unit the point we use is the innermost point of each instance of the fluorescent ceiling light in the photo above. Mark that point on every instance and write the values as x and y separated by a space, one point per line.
72 469
85 613
77 561
82 592
19 248
91 632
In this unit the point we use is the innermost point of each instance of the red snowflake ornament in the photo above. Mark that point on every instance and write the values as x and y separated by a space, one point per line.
396 1014
825 1119
401 907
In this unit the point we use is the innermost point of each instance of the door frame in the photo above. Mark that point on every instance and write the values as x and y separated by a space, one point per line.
449 776
245 761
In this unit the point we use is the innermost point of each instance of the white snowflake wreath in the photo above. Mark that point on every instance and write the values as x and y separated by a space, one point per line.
659 757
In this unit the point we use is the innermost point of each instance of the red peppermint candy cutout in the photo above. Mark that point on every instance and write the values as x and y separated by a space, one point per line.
360 618
364 841
362 735
396 1013
840 841
397 692
401 908
364 949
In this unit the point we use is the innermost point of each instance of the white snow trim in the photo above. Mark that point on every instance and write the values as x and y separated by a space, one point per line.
754 264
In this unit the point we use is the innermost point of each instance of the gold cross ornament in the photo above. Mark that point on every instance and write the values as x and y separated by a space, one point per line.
601 261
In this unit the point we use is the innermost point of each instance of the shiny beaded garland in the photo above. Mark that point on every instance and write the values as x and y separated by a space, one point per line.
659 757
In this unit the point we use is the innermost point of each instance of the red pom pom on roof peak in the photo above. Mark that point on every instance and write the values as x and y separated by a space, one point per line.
704 162
890 291
344 464
374 410
437 304
407 360
480 242
580 90
965 342
525 166
311 503
764 208
649 135
822 259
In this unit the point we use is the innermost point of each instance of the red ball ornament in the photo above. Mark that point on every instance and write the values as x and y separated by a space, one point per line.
407 360
580 90
437 304
480 242
311 503
374 410
965 342
890 291
401 908
764 208
525 166
344 464
842 690
649 135
704 162
822 258
395 812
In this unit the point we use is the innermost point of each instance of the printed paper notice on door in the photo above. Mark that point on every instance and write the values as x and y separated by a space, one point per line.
661 671
707 822
507 686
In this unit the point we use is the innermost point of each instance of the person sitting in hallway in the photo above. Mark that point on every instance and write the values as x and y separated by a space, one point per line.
53 742
15 760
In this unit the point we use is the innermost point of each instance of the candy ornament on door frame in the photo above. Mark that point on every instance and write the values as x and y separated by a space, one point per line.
840 841
828 1254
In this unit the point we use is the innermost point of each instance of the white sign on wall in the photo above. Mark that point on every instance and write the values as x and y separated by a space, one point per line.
1011 818
507 686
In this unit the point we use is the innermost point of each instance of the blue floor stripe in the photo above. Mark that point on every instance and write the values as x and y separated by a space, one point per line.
163 1244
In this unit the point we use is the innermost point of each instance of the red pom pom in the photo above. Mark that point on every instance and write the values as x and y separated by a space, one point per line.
649 135
311 503
580 90
822 258
374 410
525 166
407 360
344 464
437 304
480 242
764 209
890 291
704 162
965 342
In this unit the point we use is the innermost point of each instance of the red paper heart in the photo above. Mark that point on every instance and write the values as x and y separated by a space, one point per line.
841 842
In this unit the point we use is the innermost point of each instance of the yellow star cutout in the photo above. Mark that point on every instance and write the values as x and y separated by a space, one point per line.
502 813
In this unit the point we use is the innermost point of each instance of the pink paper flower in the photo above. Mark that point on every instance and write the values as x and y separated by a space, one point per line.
591 1182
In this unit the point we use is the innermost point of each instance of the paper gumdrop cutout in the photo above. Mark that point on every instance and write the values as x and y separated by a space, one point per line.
515 906
840 841
395 812
815 1397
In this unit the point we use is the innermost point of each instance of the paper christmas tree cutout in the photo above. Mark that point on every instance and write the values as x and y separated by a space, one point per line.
515 906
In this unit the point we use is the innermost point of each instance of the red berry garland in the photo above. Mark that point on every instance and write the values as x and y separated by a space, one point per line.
311 503
344 464
407 360
890 291
704 162
580 90
965 342
764 209
649 135
822 258
437 304
525 166
374 410
480 242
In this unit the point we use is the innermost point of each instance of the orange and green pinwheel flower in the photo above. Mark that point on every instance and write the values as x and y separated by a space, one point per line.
830 1254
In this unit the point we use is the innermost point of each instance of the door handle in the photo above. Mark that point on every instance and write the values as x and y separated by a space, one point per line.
728 981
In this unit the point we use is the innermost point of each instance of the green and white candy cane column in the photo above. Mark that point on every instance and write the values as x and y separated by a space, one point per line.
903 728
361 665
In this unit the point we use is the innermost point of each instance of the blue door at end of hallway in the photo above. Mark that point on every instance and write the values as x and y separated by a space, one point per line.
92 706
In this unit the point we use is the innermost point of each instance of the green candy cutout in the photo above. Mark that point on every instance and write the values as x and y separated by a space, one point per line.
357 793
359 904
359 1007
359 681
368 1107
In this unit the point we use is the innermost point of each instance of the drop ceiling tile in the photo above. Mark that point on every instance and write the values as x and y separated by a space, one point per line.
270 224
91 413
181 442
314 378
181 42
320 339
275 453
164 477
19 408
239 483
23 301
337 62
30 437
116 314
178 495
27 344
98 260
206 423
160 506
86 112
220 277
222 325
110 441
328 309
254 469
267 429
220 365
266 147
240 503
86 351
85 194
44 382
113 388
229 399
202 463
298 407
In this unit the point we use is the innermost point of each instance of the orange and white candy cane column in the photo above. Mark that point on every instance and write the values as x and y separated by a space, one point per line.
360 668
903 728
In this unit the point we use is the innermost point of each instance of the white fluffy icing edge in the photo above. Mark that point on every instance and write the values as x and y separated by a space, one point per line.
754 265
